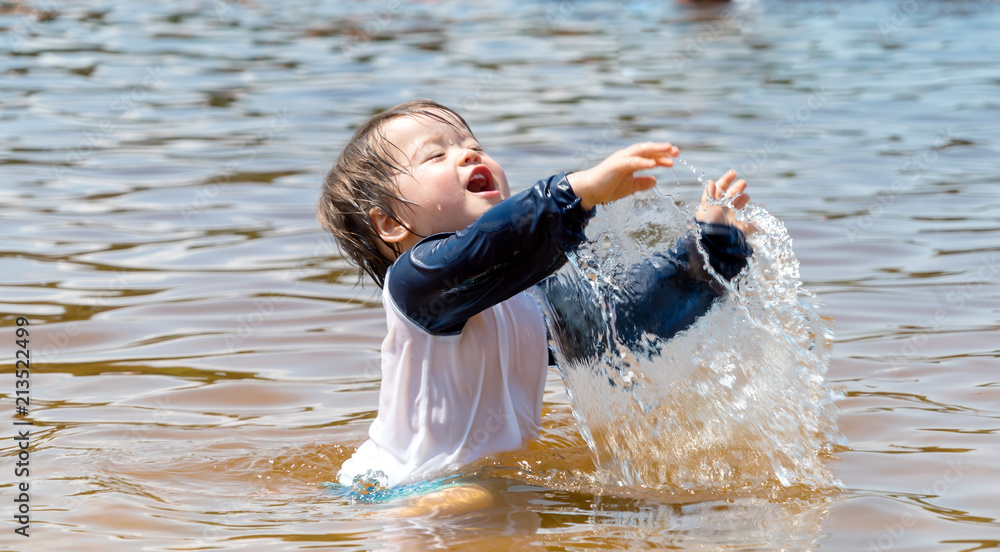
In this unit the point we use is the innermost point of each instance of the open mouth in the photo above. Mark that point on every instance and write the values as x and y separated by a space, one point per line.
481 180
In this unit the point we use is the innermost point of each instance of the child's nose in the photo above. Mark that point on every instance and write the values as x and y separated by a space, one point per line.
471 156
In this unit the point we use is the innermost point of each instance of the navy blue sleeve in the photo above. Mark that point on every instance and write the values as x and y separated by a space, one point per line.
660 296
666 293
448 278
727 248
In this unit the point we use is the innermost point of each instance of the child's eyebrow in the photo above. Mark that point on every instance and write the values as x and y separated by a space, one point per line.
437 137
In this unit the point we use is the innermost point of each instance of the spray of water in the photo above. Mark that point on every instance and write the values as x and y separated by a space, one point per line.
735 402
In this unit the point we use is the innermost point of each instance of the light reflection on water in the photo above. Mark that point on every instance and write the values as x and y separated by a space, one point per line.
204 361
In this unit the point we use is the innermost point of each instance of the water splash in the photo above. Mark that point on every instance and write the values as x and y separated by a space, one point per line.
700 175
736 401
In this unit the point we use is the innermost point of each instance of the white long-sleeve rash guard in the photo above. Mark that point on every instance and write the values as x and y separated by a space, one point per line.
465 358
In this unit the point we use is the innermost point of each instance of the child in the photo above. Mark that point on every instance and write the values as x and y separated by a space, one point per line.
415 201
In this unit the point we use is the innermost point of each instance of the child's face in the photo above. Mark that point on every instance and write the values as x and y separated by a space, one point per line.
451 180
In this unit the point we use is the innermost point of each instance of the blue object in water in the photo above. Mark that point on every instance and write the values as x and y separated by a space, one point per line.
371 488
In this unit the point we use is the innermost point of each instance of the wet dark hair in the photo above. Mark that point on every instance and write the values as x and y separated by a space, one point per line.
362 179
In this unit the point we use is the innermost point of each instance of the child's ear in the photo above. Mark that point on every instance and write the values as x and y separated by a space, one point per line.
388 228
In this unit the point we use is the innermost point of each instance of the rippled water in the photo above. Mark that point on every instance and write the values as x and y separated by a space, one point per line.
203 360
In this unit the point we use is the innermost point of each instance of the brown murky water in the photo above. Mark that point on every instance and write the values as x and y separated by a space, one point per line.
202 360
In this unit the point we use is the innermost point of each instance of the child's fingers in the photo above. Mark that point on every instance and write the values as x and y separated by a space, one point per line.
736 188
653 150
643 182
726 187
714 189
634 163
711 192
741 201
724 182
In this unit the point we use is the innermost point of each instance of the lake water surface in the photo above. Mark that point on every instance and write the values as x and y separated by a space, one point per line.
203 360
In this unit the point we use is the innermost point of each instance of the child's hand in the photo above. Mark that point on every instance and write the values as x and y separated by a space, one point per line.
716 214
613 178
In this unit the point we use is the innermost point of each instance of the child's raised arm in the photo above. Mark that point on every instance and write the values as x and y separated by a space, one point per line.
614 177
